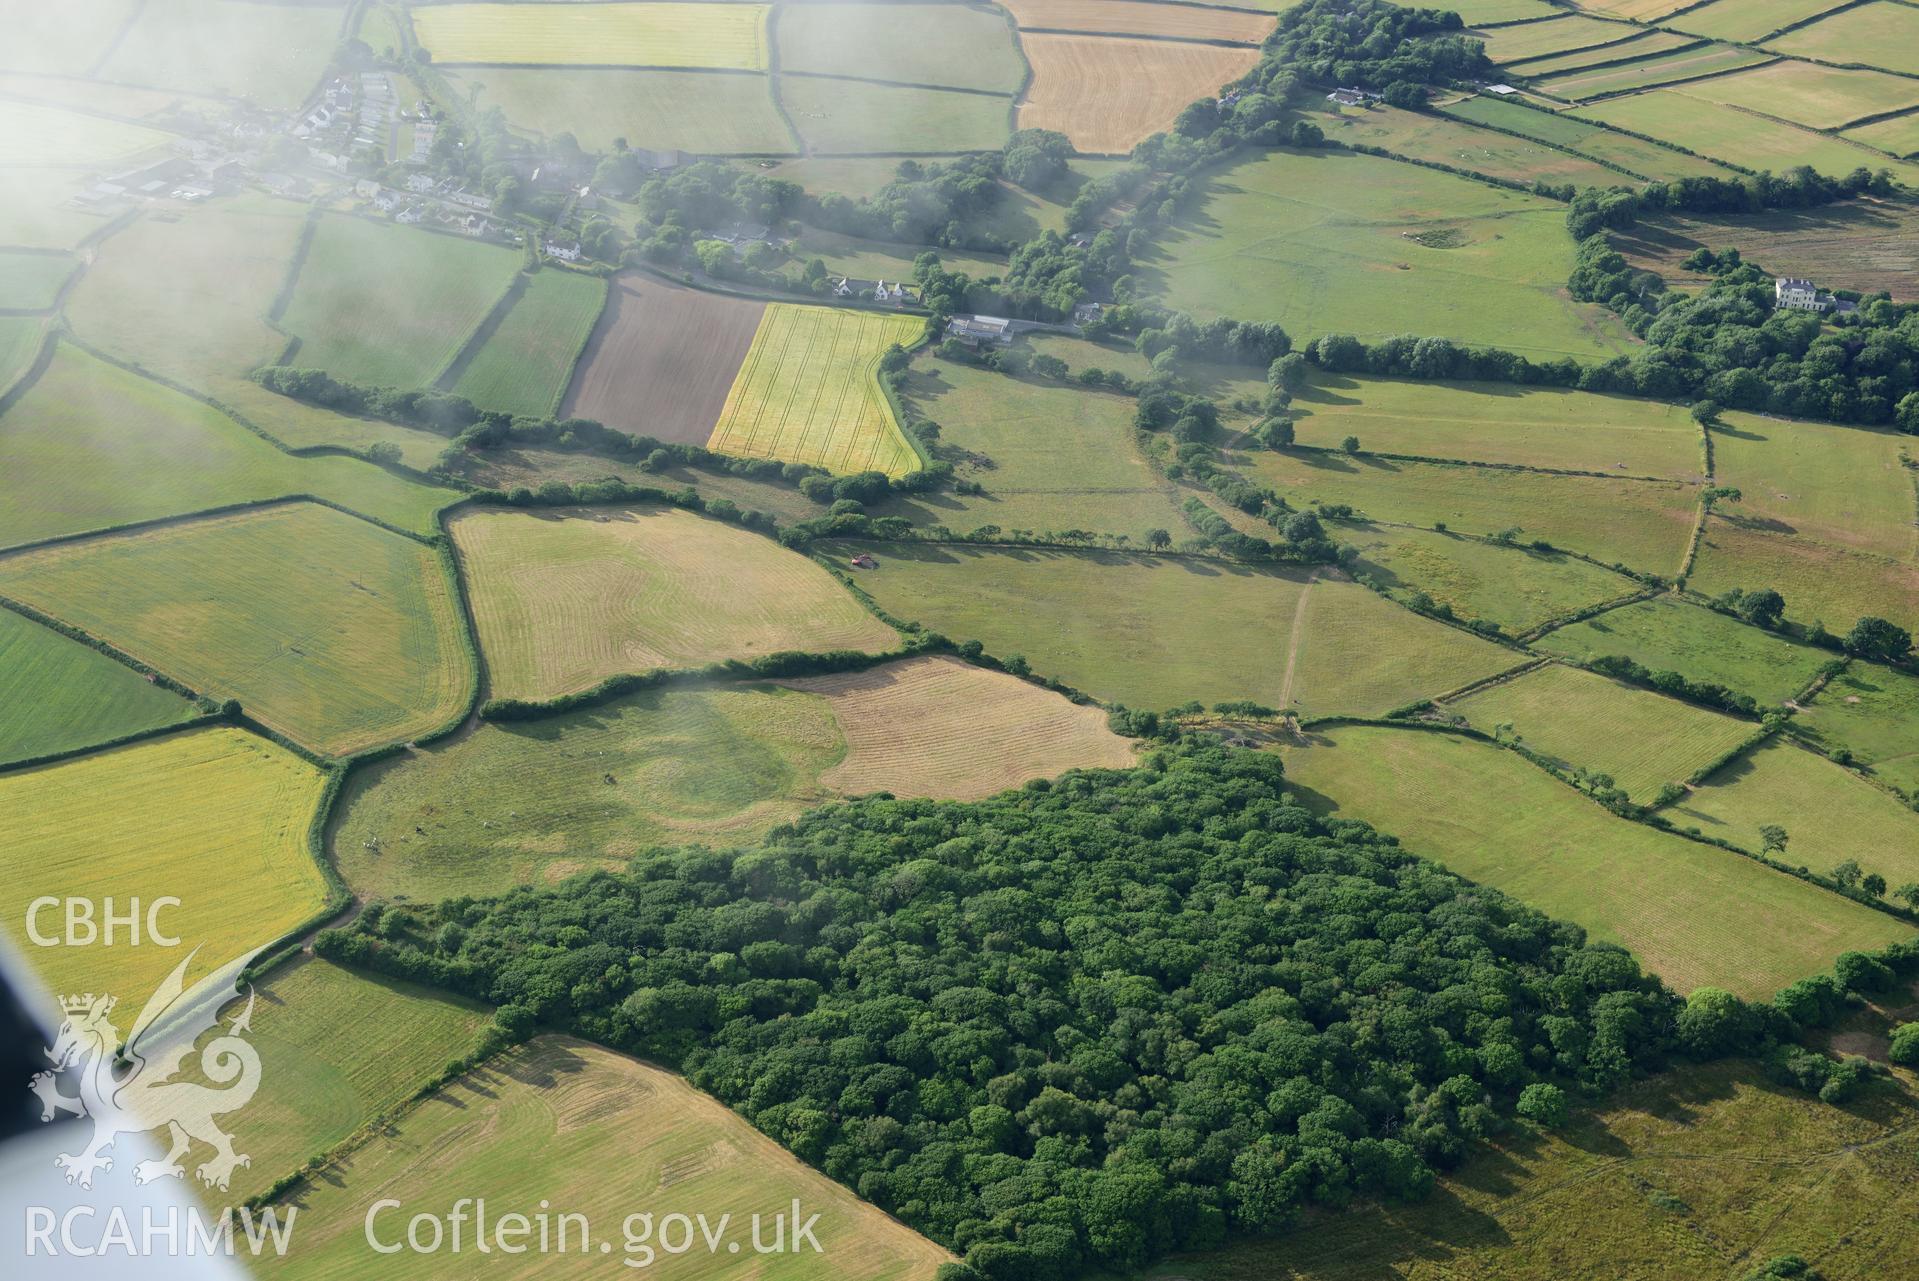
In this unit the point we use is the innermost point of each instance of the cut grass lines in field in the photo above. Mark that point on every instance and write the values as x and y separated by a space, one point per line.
1685 64
1822 582
936 726
658 34
1516 588
1735 136
855 117
1587 138
1811 95
272 54
1107 94
594 1132
1829 815
1671 635
1879 34
90 446
1557 36
1583 720
808 392
707 113
565 599
1437 139
216 818
1848 486
1872 712
525 364
32 134
943 45
1692 914
57 694
1140 18
335 632
382 304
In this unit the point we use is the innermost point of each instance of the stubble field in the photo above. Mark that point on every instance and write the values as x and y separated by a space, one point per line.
1108 94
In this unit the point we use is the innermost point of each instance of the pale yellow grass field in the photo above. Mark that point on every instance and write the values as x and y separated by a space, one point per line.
565 599
936 726
660 34
1140 18
1109 94
31 134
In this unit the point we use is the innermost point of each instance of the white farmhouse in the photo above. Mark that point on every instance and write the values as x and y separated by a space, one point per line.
1789 292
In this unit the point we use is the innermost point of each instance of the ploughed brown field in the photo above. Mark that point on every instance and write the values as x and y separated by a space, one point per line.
662 359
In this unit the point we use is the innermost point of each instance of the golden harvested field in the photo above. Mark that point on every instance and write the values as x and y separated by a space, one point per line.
565 599
1810 95
216 818
601 1136
327 628
655 34
808 392
937 726
1139 18
1107 94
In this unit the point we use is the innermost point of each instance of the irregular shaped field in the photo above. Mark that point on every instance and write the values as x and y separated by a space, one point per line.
1738 137
1426 136
20 339
90 446
530 802
565 599
1693 914
1829 815
31 281
946 46
1559 35
32 134
1880 34
1639 46
852 117
216 818
808 392
1811 95
60 40
1822 582
38 212
1107 95
937 726
1866 245
1686 64
1139 18
389 305
1748 20
655 34
1582 720
330 630
597 1134
1670 635
1848 486
1898 136
1515 587
708 113
1873 712
57 694
525 365
270 54
1588 139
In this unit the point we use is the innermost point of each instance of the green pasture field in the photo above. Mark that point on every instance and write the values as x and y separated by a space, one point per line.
1580 86
703 112
273 54
1822 582
1829 815
1667 634
1421 135
1634 10
808 392
601 1136
1897 137
1750 20
1050 457
1515 587
326 628
34 134
526 363
1811 95
1872 712
942 45
1695 1172
30 282
855 177
1083 353
566 598
1739 137
1580 719
38 212
1644 525
1502 423
1866 245
1635 154
1648 45
381 27
729 37
506 468
1474 12
75 462
337 1048
1694 915
1848 486
1154 632
216 818
1324 242
20 338
530 802
1542 39
849 117
389 305
1879 34
865 259
57 694
59 40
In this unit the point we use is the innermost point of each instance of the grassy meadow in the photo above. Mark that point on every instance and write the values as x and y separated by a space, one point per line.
57 694
1427 136
657 34
1692 914
1898 136
330 630
1588 139
1640 46
1872 712
1811 95
1847 486
1543 39
38 213
1667 634
32 133
705 112
1749 20
808 392
31 281
20 339
525 365
1880 34
60 41
272 54
565 599
947 46
1684 64
850 117
1331 242
1516 587
216 818
1822 582
1737 137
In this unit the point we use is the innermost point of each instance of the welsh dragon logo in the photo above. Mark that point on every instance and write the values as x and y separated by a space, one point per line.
132 1090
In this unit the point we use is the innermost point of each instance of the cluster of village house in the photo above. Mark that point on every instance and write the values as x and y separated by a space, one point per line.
355 113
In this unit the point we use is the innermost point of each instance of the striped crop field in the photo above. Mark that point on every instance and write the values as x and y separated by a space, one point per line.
216 818
565 599
57 694
808 392
525 365
658 34
333 631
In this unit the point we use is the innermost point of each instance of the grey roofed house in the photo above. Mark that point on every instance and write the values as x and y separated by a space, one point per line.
974 330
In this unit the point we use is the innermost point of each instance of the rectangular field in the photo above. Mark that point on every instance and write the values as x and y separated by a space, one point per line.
1667 634
1108 94
57 694
852 117
1641 46
1644 740
1822 582
1557 36
707 113
1421 135
1866 245
808 392
940 45
326 628
216 818
390 305
1872 712
33 134
1739 137
1140 18
1896 137
1811 95
1750 20
662 358
660 33
1879 34
273 54
20 341
1686 64
1479 12
1848 486
1515 587
1692 914
31 281
59 40
1634 10
525 365
1588 139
